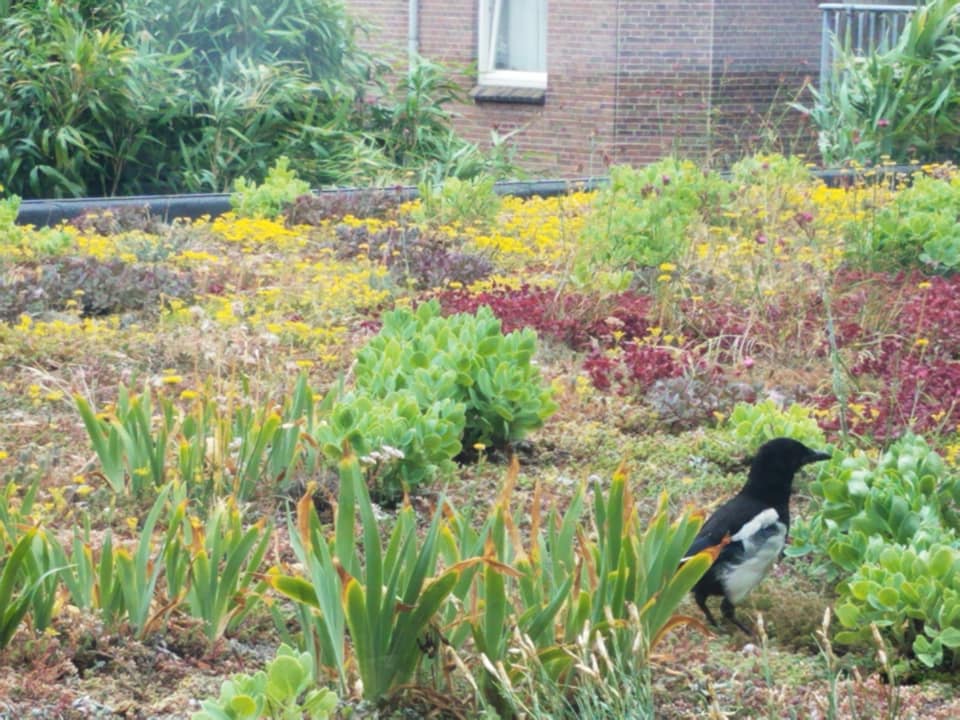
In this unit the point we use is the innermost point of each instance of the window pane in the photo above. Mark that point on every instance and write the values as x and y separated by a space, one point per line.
520 35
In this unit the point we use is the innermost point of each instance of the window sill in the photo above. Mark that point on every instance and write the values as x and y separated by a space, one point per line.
509 94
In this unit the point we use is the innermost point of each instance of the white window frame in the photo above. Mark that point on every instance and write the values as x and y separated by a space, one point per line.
487 74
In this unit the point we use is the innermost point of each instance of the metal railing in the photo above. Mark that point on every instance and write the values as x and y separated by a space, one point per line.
861 28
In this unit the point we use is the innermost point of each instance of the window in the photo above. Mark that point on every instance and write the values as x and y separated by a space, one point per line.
513 43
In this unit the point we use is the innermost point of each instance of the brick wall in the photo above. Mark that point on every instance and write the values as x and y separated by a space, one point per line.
572 132
664 54
387 23
627 81
763 54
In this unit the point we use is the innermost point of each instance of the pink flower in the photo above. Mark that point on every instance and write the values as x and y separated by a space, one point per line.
882 122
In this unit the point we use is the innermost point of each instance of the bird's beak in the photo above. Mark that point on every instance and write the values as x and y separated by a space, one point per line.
816 456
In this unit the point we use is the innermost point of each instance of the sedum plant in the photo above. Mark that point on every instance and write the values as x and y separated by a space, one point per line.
758 422
890 529
918 226
405 444
465 358
285 690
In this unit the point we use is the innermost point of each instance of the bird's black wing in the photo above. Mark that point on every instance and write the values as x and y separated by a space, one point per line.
727 520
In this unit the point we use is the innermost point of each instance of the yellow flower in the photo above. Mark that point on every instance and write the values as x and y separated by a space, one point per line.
171 379
3 455
189 395
667 267
665 278
923 285
921 342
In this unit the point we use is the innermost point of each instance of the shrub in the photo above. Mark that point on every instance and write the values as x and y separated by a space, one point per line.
153 96
463 203
643 217
464 358
890 529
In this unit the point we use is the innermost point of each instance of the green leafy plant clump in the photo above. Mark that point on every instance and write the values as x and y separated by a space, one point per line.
154 96
285 690
465 358
269 199
890 528
644 216
919 226
403 443
757 422
464 202
32 242
899 104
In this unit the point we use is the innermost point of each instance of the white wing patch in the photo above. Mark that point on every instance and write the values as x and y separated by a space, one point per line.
762 520
762 538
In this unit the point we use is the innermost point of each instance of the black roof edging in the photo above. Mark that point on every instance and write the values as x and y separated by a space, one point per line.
192 206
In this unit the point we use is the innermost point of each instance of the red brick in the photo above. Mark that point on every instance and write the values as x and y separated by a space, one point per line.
629 81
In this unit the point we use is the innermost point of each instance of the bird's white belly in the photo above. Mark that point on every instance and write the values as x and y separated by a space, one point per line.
740 579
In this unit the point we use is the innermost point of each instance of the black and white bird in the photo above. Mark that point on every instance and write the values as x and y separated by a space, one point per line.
756 521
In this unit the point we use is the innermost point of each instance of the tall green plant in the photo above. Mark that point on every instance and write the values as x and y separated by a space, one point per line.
594 572
74 102
28 584
902 103
225 559
390 593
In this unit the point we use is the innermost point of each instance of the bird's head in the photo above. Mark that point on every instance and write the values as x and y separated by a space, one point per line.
776 462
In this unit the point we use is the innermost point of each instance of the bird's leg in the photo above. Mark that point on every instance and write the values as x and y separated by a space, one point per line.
726 607
702 604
